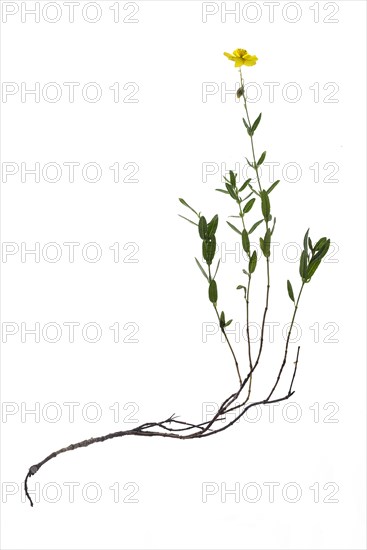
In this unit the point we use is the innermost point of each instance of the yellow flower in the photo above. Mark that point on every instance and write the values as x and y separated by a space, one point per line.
241 57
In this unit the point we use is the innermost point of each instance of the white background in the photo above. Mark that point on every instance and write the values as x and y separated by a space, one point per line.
170 53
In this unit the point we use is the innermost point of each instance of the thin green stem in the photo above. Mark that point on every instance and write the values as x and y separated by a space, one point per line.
225 335
247 303
267 226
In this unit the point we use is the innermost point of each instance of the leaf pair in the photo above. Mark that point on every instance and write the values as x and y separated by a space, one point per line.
310 262
251 128
208 230
265 243
222 321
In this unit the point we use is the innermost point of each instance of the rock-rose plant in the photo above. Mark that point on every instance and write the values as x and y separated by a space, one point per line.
246 197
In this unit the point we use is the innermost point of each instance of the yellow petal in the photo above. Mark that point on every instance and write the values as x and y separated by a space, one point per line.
239 62
250 60
230 56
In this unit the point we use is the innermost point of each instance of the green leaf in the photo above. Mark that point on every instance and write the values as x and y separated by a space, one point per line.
228 323
209 248
266 243
253 262
255 124
244 185
262 244
239 92
274 222
290 291
245 272
212 226
312 266
265 205
222 320
234 228
254 190
203 227
255 226
322 251
245 123
249 163
187 219
273 186
310 244
248 206
320 243
222 191
213 292
232 178
303 266
245 241
316 258
305 242
261 159
231 192
201 269
216 271
244 289
182 201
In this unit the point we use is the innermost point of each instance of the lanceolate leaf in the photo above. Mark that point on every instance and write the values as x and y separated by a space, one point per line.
255 124
234 228
213 292
305 242
245 123
262 244
312 266
322 251
230 191
244 185
203 227
290 291
265 205
267 242
232 178
245 241
253 262
303 266
255 226
201 269
249 163
222 191
222 319
216 271
316 259
248 206
261 159
320 243
254 190
187 219
182 201
272 229
209 250
212 226
273 186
